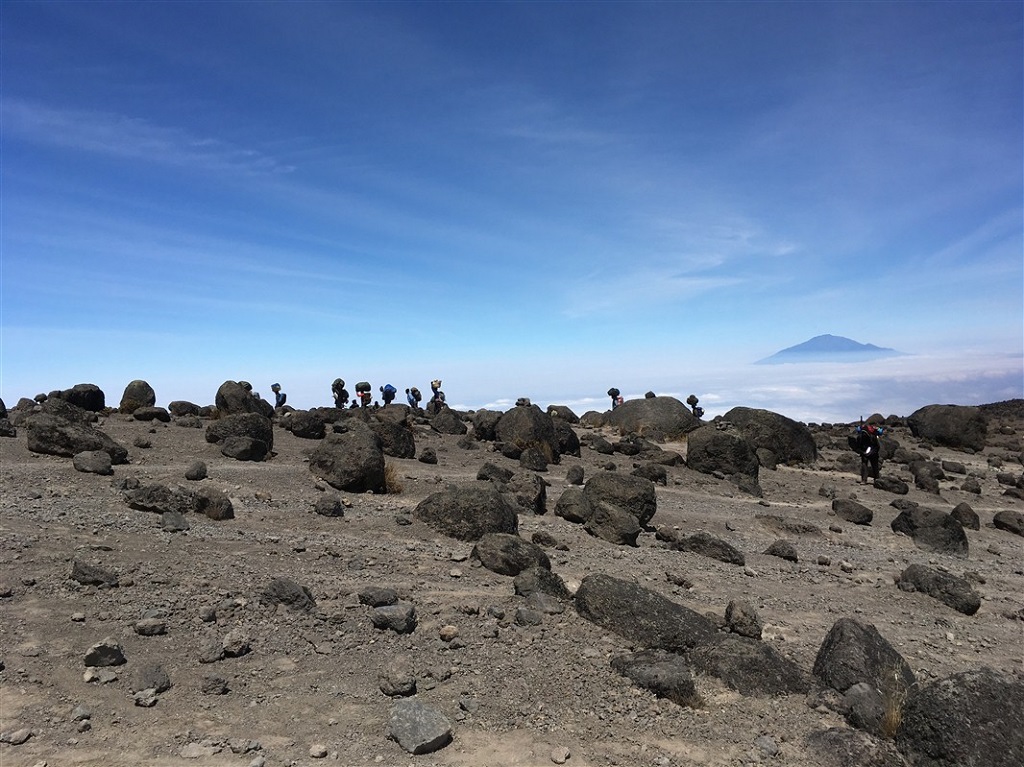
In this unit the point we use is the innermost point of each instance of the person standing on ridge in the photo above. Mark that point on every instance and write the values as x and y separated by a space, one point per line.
279 396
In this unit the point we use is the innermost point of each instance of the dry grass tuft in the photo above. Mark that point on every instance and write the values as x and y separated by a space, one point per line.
894 696
392 482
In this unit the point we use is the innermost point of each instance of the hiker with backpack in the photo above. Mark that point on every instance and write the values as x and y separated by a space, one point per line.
388 393
865 443
339 392
616 397
364 393
279 396
436 404
413 397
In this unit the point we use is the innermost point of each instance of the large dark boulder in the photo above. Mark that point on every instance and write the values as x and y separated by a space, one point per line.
957 426
86 396
712 449
529 491
396 438
641 615
526 426
305 424
563 413
946 587
447 421
485 424
932 530
351 459
617 507
749 666
571 506
633 494
971 719
233 398
51 435
790 441
137 394
1009 520
468 512
855 652
542 580
180 407
244 436
508 554
663 673
661 418
568 442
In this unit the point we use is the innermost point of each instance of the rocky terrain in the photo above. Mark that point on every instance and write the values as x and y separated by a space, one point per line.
189 585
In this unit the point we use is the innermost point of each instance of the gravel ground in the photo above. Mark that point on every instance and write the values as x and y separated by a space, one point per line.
308 691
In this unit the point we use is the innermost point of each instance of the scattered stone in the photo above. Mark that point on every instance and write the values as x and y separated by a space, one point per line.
966 516
196 471
400 618
507 554
286 592
106 652
419 728
707 545
783 550
741 617
149 627
93 462
852 512
92 575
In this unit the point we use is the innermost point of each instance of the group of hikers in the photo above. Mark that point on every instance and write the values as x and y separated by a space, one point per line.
364 395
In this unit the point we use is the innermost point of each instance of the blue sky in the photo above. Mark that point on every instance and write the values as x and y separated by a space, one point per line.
523 199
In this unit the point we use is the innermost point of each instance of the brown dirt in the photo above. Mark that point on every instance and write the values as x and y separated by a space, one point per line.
513 693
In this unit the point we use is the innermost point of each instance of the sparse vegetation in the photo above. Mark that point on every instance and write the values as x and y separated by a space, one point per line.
392 482
894 696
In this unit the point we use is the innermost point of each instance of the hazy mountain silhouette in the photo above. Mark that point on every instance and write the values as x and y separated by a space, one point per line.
828 348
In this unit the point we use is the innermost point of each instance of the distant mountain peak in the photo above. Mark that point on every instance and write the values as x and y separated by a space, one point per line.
829 348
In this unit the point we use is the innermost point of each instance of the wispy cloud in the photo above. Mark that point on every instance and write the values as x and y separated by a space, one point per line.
608 291
131 138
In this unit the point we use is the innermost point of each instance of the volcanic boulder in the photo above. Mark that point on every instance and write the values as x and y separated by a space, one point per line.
855 652
659 418
468 512
137 394
244 436
712 449
527 426
641 615
791 442
956 426
350 460
971 719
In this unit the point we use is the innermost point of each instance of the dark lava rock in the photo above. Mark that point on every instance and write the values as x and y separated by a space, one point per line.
947 588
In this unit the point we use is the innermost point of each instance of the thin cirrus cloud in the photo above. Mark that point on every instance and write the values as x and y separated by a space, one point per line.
130 138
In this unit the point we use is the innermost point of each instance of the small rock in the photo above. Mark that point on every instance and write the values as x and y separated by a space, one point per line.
448 633
146 698
17 737
318 751
560 754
